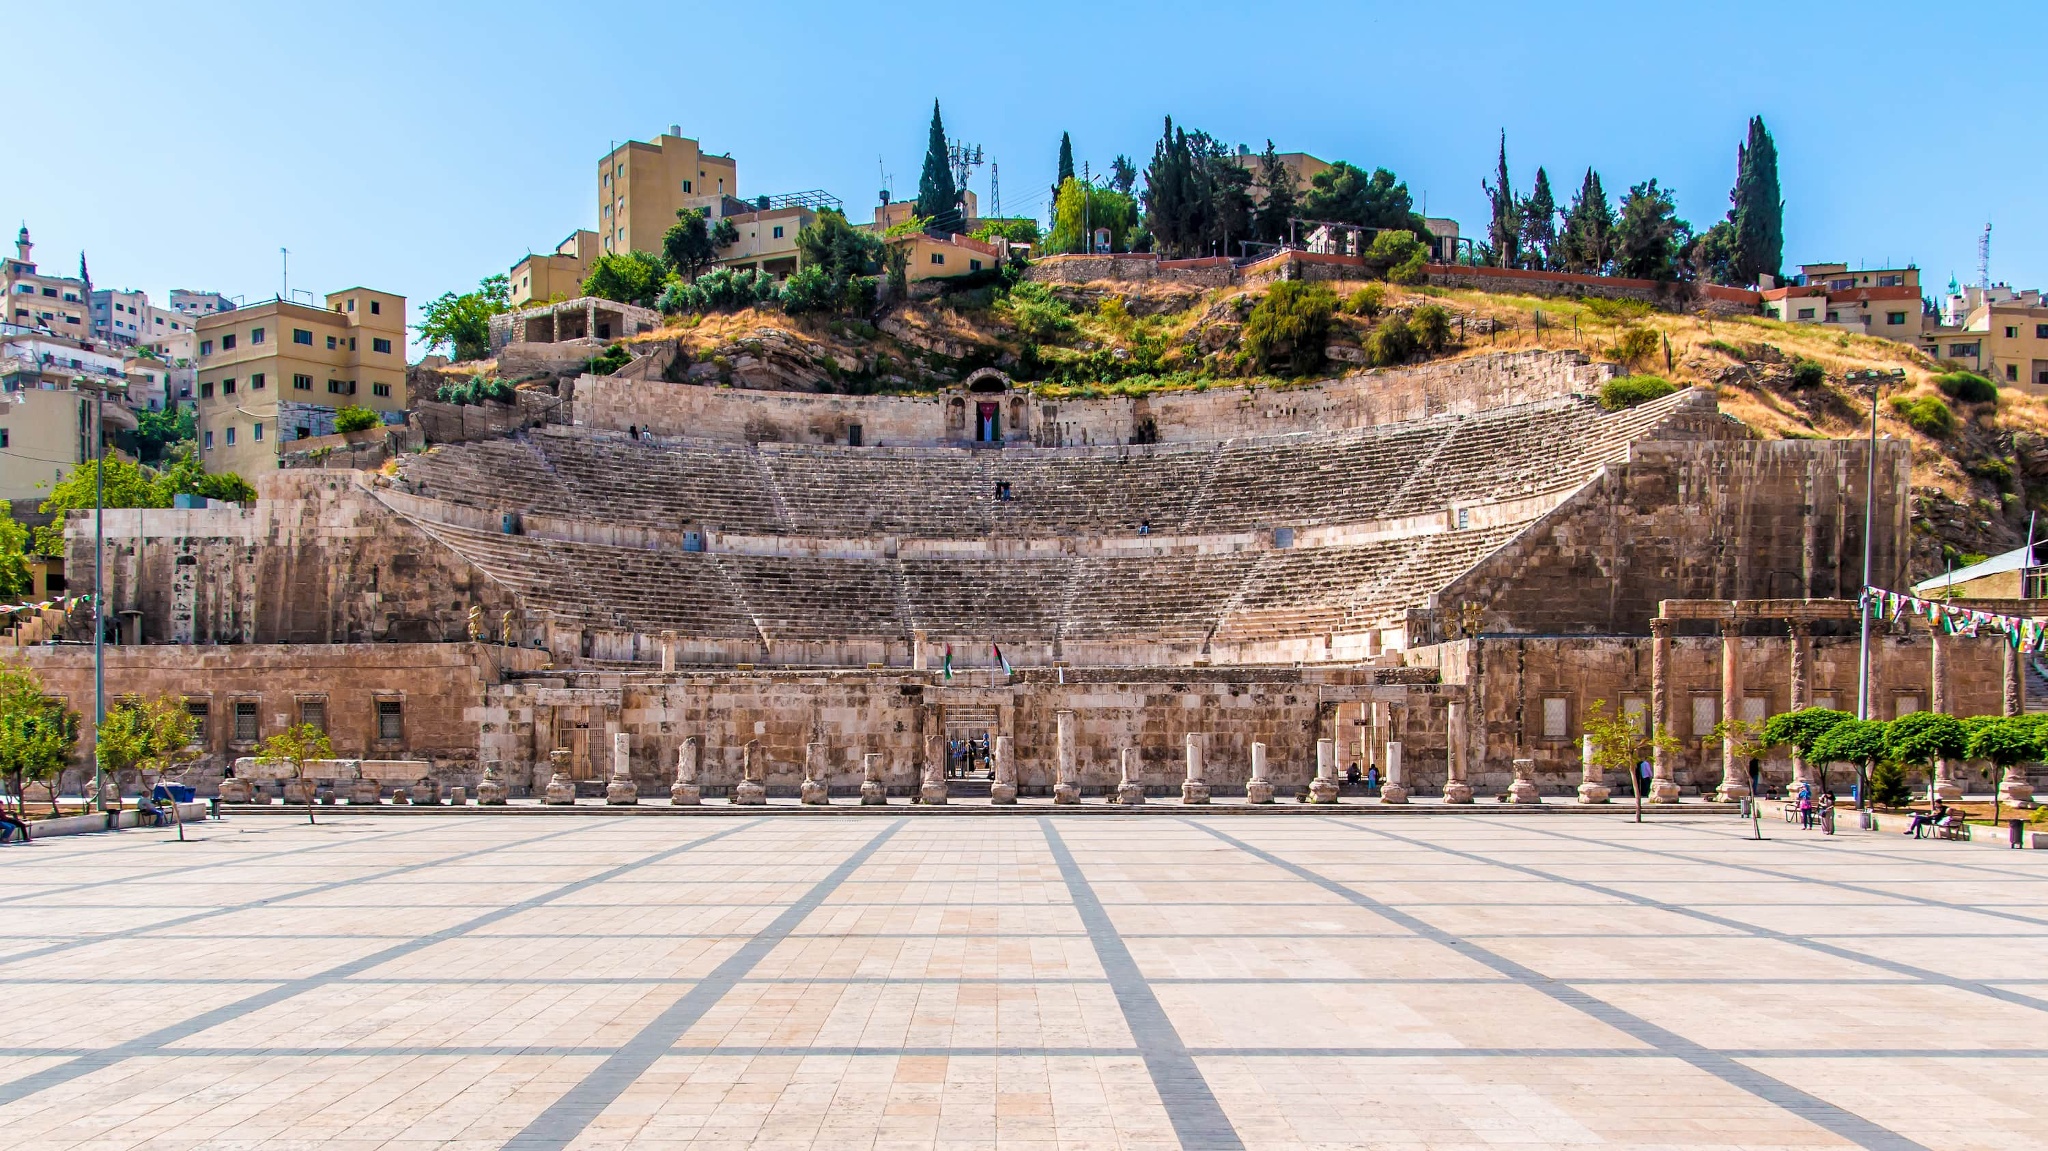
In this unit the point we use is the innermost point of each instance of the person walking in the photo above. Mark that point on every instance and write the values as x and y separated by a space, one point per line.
1372 780
1805 805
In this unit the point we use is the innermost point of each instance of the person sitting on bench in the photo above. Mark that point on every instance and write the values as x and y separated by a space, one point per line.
10 826
1923 821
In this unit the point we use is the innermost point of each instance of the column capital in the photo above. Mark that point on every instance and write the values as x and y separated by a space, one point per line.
1661 627
1730 628
1800 628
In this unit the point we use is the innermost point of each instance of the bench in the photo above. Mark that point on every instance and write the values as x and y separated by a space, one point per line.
1951 826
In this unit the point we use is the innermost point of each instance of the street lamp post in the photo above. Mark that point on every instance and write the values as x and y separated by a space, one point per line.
99 389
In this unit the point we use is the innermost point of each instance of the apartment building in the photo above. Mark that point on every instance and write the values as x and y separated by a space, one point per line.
558 275
2000 333
1872 302
277 371
35 300
889 213
641 186
196 303
128 317
47 385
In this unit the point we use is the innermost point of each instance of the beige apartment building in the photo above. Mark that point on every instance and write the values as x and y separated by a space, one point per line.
277 371
1872 302
2003 335
47 386
640 187
34 300
894 212
556 275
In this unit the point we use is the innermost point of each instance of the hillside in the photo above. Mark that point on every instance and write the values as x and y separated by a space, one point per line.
1974 483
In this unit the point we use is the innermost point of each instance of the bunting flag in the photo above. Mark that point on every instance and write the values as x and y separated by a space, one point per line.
1007 669
947 665
2023 634
61 603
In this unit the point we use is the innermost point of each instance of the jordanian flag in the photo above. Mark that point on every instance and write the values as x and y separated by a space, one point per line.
1007 669
947 667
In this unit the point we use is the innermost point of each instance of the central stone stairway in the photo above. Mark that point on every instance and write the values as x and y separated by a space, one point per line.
977 788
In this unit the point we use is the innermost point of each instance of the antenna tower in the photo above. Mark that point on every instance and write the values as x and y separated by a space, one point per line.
1984 259
995 190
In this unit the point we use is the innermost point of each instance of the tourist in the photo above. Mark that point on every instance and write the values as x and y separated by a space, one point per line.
1372 780
1924 820
1643 773
1144 527
1756 777
10 826
1352 777
1805 805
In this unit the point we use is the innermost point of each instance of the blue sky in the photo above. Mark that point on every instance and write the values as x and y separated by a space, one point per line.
417 147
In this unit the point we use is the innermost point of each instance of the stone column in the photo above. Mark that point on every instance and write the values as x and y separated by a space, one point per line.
365 792
2015 695
918 659
933 790
668 651
873 792
750 791
814 791
1591 789
561 790
1663 786
1393 791
621 791
1801 695
492 792
685 792
1324 787
1130 790
1194 789
1004 790
1258 789
1734 775
1523 790
1456 790
1064 788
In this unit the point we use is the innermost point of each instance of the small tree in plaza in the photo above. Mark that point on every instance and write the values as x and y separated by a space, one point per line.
2007 742
1859 743
37 735
1917 740
1621 741
146 735
1803 729
295 746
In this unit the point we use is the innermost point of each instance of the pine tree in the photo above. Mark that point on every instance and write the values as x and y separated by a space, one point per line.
1166 190
937 198
1588 241
1759 213
1539 226
1649 235
1504 234
1123 175
1270 223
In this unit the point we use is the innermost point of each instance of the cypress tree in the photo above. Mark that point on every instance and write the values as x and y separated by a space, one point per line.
1539 226
1066 169
1587 242
1271 221
1759 213
1505 232
937 198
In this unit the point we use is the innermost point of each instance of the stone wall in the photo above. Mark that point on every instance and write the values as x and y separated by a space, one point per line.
440 423
438 688
1362 399
1131 267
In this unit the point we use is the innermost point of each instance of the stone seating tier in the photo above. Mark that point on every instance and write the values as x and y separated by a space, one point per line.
1299 480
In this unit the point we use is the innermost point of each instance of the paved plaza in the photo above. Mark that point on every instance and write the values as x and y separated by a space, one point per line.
468 981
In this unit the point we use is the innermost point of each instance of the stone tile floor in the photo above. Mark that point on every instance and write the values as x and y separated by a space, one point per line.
469 981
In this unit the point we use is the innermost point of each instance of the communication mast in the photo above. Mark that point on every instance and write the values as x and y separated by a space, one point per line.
1984 259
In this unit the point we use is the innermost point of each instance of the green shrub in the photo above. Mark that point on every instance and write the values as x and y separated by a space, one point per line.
1927 415
1888 785
1628 391
1036 313
1368 301
1608 309
1636 346
608 361
1808 373
1431 327
1725 348
809 290
721 290
477 390
1290 326
1994 469
1390 343
1967 387
355 418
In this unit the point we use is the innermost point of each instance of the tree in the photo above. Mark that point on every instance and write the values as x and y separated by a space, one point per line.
1197 195
1857 742
1539 226
356 418
1066 165
1123 174
127 486
146 735
1587 245
1917 740
1348 194
156 432
837 248
1290 326
1504 233
937 198
1714 256
15 580
2007 742
1803 729
1621 741
462 324
691 243
37 734
629 277
294 747
1276 198
1758 216
1082 208
186 476
1649 235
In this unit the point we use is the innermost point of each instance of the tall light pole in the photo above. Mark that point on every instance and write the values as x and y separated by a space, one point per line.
1863 595
99 390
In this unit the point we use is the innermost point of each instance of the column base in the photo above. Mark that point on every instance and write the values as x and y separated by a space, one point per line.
1393 793
1593 793
426 793
932 794
747 793
457 797
622 793
1130 794
560 793
1194 791
1662 791
1457 791
1524 791
366 793
873 794
1002 794
490 793
298 792
235 790
2016 794
1258 791
815 793
1322 790
1066 794
685 795
1947 791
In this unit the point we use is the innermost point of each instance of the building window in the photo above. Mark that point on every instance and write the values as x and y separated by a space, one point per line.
302 336
2012 373
256 382
686 187
1894 281
377 389
390 720
334 387
6 438
302 382
197 709
206 389
1895 317
2012 331
351 343
1636 710
376 307
332 343
258 433
379 344
1905 705
206 347
1834 316
1958 351
778 231
245 721
256 336
1706 712
2041 331
974 265
313 713
227 386
209 439
231 435
1556 717
227 342
1806 313
938 257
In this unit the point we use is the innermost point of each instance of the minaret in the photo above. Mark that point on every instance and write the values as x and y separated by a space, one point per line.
22 247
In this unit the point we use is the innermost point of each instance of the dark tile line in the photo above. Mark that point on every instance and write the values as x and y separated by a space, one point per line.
971 1051
993 981
154 1042
1191 1106
574 1110
1844 1123
1756 931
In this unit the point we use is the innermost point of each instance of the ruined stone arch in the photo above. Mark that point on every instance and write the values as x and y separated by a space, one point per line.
979 379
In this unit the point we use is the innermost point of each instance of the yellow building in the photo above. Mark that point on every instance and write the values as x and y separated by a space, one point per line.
34 300
558 275
47 386
2004 336
640 187
277 371
894 212
767 239
936 257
